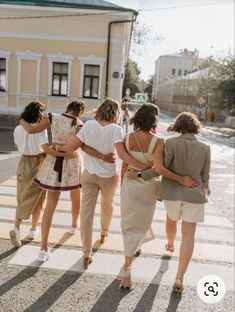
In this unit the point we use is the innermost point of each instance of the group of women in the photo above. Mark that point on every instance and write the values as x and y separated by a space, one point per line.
183 162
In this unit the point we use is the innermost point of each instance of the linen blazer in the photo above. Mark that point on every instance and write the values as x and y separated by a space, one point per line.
185 155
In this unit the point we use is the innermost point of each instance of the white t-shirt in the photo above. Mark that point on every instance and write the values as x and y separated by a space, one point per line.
101 138
29 144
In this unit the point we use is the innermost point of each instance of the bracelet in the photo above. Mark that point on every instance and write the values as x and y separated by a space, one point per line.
57 148
139 174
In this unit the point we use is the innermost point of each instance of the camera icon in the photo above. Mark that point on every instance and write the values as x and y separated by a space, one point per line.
211 289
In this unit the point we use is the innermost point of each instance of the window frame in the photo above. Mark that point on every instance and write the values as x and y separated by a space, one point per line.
91 82
60 79
5 72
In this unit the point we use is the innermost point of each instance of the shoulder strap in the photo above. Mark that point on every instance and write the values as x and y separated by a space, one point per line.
140 147
152 144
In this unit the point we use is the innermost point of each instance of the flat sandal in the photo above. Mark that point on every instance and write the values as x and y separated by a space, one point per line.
178 288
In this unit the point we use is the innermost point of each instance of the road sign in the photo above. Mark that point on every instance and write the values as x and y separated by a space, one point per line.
141 97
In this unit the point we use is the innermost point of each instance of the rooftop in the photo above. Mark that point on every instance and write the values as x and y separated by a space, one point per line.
81 4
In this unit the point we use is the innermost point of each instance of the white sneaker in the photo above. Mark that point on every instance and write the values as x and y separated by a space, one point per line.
15 237
33 233
72 230
44 255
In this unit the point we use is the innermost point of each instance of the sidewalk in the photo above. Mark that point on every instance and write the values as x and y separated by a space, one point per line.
154 270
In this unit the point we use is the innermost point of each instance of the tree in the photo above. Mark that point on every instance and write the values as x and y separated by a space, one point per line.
132 73
218 86
149 88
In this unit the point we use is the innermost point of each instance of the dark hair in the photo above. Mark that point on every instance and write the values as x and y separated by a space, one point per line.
33 112
77 107
186 123
146 117
108 110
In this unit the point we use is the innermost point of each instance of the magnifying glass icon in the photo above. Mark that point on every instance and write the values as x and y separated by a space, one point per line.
211 289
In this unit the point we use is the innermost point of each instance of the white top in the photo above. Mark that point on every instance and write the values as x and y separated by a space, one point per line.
101 138
29 144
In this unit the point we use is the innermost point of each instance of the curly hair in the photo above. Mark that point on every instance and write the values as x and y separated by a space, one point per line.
146 117
77 107
33 112
185 123
109 110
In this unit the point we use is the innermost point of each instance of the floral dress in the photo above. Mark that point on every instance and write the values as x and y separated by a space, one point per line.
60 173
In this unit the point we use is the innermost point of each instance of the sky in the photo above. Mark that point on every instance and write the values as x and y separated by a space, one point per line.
205 25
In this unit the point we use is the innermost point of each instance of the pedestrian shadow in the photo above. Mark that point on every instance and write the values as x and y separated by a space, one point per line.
174 302
51 295
11 251
146 302
110 298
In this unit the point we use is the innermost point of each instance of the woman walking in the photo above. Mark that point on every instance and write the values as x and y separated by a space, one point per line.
30 197
138 197
104 135
59 173
184 154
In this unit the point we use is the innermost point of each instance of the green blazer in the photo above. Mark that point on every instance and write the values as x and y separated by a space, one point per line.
185 155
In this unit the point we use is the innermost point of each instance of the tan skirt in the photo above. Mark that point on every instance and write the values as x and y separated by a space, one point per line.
138 201
29 195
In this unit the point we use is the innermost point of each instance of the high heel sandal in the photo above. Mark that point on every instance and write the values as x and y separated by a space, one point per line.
170 248
86 262
126 278
178 287
137 253
102 238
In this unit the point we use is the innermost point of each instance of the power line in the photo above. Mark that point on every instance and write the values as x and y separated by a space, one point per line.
185 6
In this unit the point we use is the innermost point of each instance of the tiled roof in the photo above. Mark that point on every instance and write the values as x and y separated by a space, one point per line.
82 4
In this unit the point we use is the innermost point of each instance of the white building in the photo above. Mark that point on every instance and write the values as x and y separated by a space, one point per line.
171 67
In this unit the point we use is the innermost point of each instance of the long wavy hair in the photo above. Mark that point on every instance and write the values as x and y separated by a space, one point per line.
33 112
109 110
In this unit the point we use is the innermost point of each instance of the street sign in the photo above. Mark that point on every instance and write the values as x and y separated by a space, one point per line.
141 97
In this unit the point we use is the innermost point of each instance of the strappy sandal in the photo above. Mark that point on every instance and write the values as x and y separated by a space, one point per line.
86 262
178 288
170 248
126 278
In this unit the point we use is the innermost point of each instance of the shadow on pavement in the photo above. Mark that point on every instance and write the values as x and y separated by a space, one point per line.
110 298
146 301
49 297
10 251
174 302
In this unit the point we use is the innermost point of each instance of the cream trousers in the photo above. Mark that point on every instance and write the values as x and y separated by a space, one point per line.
91 185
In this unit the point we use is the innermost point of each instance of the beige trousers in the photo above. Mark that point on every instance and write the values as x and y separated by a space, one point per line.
91 185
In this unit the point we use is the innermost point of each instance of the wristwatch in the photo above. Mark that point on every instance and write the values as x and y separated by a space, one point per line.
139 174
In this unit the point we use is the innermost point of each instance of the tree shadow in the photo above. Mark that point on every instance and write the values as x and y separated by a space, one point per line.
51 295
146 301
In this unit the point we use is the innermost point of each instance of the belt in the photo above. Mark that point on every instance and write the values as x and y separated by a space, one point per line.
36 156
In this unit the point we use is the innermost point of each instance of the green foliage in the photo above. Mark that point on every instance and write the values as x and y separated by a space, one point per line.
132 73
219 86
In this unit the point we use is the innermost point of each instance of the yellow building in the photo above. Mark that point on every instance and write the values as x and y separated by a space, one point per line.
56 51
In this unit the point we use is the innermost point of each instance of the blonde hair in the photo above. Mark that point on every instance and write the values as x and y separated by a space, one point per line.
109 110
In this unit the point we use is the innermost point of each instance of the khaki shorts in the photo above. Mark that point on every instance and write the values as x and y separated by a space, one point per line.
188 212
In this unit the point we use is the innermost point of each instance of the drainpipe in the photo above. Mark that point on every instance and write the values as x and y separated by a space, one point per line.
109 44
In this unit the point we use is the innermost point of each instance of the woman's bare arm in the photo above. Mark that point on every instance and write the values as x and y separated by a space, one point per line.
123 171
110 157
122 153
50 151
160 169
36 128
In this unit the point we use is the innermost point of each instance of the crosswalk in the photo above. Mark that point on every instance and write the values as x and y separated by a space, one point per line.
213 254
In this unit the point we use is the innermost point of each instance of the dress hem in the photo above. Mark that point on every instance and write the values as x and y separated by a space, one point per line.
56 188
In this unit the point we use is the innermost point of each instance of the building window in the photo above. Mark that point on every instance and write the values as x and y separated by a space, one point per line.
91 81
173 71
179 72
2 75
185 72
60 79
